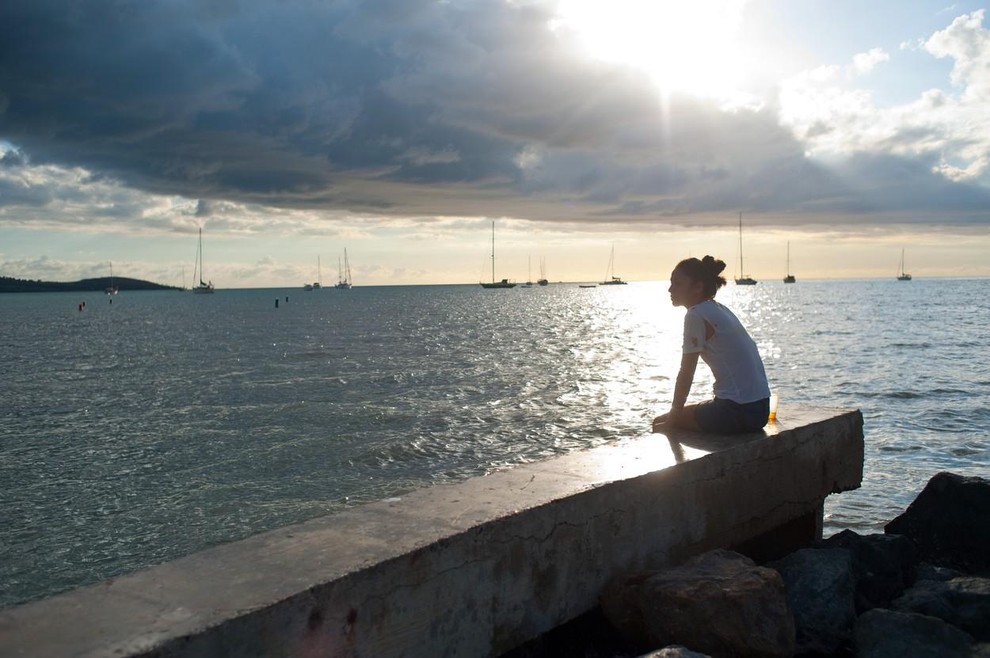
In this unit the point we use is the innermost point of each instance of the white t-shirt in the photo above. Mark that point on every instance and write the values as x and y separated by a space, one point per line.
731 353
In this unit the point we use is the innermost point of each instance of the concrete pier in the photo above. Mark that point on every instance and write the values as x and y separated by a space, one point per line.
471 569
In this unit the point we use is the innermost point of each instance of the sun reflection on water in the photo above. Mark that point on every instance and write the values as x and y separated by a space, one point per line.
334 400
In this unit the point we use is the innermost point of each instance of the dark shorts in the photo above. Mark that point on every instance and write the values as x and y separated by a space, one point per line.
728 417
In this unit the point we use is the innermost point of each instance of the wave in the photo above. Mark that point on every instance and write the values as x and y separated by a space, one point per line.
892 395
259 425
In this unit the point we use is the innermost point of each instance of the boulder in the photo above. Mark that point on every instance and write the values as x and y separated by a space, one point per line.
881 633
926 571
883 565
949 522
719 603
821 592
963 602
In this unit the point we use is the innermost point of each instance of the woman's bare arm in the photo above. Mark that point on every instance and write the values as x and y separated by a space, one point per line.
679 415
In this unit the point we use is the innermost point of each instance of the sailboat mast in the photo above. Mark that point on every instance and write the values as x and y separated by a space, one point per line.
196 264
493 251
202 287
201 274
741 268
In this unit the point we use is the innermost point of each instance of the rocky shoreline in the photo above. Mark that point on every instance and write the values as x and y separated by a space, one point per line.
922 588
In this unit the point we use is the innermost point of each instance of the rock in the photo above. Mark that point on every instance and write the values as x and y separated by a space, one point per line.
719 603
927 571
963 602
821 591
949 522
881 633
675 651
883 565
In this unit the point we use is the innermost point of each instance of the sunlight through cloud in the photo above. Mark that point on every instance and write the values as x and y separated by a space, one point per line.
687 47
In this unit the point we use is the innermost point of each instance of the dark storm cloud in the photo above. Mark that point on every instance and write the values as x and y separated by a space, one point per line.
406 106
239 98
902 184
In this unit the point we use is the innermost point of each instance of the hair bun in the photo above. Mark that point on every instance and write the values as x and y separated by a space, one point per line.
712 265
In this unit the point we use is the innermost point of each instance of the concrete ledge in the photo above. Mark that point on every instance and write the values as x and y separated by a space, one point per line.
472 569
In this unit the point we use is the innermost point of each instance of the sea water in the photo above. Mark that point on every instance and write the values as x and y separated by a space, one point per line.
149 425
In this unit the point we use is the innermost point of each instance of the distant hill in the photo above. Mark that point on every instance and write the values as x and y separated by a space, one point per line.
9 284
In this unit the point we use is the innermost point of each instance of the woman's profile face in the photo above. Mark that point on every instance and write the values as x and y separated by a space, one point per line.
684 291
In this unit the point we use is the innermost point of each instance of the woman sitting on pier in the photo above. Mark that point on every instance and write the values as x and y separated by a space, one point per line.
713 332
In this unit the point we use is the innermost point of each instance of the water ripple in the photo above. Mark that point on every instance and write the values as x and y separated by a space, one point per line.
139 432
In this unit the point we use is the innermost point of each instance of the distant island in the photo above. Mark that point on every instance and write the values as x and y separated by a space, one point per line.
9 284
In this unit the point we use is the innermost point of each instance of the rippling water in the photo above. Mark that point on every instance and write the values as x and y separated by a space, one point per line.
136 432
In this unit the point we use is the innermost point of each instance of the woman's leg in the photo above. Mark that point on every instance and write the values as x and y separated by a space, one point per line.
683 419
726 417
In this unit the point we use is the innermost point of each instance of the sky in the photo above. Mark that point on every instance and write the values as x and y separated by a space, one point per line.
840 131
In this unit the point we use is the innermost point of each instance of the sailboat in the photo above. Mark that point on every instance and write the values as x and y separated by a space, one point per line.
743 279
504 283
343 274
542 281
788 277
318 284
901 274
111 289
203 288
529 273
610 278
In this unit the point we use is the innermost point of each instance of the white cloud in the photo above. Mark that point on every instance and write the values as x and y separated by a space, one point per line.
968 43
48 197
529 157
834 117
825 114
866 62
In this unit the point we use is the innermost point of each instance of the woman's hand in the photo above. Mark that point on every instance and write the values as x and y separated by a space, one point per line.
682 419
662 423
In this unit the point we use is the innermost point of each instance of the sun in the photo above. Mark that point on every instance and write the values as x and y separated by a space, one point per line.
690 46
